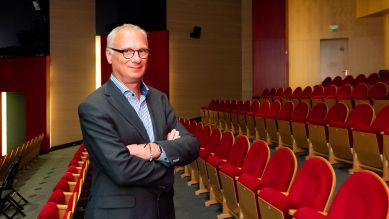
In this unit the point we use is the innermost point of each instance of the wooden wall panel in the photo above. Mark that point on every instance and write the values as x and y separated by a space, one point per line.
308 23
72 51
208 67
269 32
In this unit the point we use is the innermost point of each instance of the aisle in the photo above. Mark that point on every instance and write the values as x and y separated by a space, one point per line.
190 206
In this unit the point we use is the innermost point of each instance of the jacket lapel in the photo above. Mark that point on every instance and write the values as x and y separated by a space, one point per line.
154 107
121 104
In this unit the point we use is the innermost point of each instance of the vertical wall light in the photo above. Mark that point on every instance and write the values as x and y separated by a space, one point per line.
3 123
98 61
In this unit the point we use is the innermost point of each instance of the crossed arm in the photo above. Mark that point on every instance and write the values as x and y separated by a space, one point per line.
145 151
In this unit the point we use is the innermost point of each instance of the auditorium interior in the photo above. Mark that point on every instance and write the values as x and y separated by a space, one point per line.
288 99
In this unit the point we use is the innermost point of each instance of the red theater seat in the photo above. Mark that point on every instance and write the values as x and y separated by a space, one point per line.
363 195
278 174
312 188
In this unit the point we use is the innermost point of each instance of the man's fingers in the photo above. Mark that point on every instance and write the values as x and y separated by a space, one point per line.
173 134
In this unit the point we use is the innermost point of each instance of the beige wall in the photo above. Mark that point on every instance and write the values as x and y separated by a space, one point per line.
72 52
308 22
209 67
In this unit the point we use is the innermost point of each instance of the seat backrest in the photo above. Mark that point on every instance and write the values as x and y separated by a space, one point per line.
330 91
211 104
306 92
279 93
349 79
239 106
360 91
363 195
224 146
58 197
300 112
280 170
263 108
265 93
49 211
272 93
318 91
192 127
384 75
213 140
317 114
227 105
377 91
12 172
344 92
246 106
253 108
373 78
337 114
273 110
63 185
287 92
285 112
327 81
238 151
361 78
314 184
198 131
221 105
204 137
297 92
337 81
256 159
233 105
361 115
381 122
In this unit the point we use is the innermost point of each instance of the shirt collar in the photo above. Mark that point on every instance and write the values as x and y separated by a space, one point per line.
123 88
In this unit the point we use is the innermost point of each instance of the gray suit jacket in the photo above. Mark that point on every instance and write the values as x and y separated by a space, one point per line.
125 186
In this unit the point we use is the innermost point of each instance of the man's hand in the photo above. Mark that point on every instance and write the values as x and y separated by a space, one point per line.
150 150
174 134
144 151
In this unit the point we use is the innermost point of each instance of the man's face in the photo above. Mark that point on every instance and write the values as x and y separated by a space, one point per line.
128 70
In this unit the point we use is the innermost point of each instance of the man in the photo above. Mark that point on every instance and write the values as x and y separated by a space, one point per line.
133 137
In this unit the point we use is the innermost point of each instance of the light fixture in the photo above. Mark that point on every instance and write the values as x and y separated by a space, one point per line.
98 61
333 27
3 123
36 5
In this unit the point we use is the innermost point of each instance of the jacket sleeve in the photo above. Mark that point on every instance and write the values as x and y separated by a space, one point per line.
111 155
183 150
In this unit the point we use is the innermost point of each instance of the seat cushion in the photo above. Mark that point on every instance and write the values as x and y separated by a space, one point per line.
251 182
230 170
215 161
277 199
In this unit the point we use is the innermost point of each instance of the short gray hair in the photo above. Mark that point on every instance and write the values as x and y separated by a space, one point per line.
129 27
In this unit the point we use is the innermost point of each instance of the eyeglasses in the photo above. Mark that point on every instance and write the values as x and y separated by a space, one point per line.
129 53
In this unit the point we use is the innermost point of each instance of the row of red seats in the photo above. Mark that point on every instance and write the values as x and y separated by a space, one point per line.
326 130
356 136
250 183
371 79
346 92
66 193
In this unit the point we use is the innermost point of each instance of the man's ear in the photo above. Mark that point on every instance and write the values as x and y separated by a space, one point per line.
108 54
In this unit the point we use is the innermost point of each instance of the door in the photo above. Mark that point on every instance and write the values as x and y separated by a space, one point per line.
333 58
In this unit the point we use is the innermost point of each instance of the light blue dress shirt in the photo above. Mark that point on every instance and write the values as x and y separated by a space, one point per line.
140 107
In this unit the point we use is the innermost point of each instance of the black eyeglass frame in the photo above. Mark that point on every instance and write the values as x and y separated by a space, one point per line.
123 51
